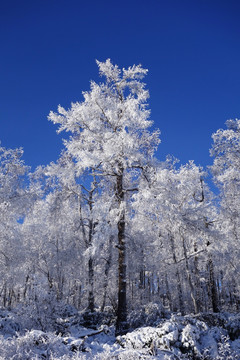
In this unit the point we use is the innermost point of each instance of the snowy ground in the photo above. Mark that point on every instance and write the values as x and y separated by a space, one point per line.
203 336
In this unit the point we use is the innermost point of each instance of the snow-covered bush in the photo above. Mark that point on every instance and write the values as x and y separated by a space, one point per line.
225 351
177 338
96 319
186 337
34 344
9 325
233 326
41 314
152 338
148 315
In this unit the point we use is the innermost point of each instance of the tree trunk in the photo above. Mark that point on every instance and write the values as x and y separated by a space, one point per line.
91 304
121 324
197 283
88 238
107 268
192 291
179 287
168 294
90 284
212 285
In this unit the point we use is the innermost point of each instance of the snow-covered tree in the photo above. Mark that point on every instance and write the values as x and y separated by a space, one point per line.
175 209
110 139
14 203
226 174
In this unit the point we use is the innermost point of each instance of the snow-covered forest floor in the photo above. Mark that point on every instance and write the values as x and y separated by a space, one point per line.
79 335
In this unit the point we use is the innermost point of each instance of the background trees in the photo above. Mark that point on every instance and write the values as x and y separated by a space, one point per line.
14 204
226 174
108 225
174 209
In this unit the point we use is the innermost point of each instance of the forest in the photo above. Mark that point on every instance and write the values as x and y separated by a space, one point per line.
112 237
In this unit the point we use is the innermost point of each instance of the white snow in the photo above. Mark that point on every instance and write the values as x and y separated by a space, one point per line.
179 337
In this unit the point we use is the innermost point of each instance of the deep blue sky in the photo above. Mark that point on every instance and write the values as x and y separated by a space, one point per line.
47 57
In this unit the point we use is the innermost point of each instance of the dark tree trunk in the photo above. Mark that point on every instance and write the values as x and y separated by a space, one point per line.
168 294
90 284
212 285
91 304
88 238
121 324
142 279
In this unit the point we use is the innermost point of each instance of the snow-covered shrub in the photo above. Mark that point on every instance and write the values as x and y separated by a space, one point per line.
9 326
225 351
97 318
213 319
41 308
233 326
153 340
154 312
148 315
40 315
190 338
186 337
136 318
33 344
180 337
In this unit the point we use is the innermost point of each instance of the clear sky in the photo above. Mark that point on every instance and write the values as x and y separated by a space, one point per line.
47 57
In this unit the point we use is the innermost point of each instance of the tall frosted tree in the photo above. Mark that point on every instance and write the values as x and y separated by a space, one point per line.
14 204
226 173
110 140
174 211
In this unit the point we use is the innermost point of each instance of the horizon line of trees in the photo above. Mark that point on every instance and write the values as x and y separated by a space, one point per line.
110 225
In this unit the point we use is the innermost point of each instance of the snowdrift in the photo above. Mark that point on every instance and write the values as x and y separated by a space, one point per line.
205 336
